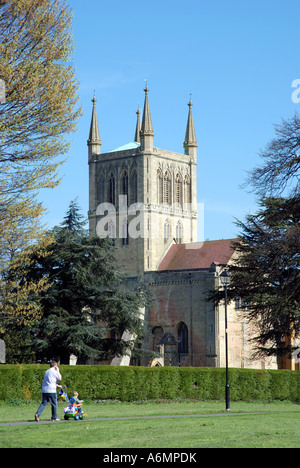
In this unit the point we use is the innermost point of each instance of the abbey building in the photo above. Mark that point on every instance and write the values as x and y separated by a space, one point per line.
145 199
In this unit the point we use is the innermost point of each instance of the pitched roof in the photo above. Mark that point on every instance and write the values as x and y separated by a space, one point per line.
197 255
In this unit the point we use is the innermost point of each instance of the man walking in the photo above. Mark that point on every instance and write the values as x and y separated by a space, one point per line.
49 395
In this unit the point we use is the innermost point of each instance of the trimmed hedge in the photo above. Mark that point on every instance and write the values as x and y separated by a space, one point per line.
144 383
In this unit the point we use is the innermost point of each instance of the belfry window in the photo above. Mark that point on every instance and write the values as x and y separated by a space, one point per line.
167 189
187 189
100 189
133 187
160 187
178 190
124 185
112 190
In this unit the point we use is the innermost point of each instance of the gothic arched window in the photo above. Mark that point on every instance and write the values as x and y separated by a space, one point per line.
160 187
100 189
178 189
133 187
187 189
167 231
182 338
179 233
167 188
111 189
124 185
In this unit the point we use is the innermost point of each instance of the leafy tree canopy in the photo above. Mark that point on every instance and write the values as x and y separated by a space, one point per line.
280 170
36 117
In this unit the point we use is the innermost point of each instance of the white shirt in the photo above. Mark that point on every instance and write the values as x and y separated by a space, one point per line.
51 378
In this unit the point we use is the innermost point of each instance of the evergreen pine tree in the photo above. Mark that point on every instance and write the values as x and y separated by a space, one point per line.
89 304
266 273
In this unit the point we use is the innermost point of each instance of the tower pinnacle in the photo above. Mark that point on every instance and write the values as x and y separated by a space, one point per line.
94 141
137 136
190 143
146 133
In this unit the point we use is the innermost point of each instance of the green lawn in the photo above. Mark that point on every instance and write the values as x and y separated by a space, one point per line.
275 425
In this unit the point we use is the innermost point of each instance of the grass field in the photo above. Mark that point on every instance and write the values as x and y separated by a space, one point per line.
267 425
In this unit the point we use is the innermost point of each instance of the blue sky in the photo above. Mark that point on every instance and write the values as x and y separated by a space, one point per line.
238 58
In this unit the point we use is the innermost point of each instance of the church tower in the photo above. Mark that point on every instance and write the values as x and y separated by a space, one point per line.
143 197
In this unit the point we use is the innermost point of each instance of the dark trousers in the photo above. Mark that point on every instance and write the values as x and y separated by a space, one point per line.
48 398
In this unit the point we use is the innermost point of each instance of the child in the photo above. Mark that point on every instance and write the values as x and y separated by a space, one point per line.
75 395
77 402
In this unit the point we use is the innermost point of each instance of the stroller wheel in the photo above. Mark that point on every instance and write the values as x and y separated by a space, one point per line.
76 417
66 417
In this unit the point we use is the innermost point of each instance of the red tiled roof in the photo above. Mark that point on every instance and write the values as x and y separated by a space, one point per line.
197 255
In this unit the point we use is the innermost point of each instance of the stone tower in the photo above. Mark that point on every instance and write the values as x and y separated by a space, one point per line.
143 197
